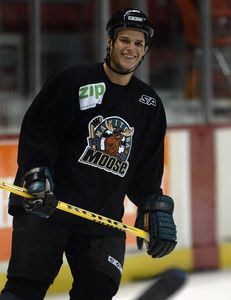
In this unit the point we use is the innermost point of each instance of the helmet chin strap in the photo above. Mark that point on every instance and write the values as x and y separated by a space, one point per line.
107 60
108 63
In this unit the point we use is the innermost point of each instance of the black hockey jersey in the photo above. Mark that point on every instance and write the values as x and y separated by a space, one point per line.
100 141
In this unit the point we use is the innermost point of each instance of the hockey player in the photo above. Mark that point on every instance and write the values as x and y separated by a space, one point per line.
93 134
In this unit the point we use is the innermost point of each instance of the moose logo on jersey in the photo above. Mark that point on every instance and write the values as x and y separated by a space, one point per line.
109 145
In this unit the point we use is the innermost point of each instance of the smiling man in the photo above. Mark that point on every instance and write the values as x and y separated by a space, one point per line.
125 54
92 135
130 36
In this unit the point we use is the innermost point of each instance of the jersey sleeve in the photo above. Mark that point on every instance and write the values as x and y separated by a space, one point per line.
46 123
149 170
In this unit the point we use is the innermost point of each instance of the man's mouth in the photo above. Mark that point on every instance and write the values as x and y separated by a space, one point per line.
128 56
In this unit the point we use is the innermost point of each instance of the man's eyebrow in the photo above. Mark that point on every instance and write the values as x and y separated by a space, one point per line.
128 37
140 41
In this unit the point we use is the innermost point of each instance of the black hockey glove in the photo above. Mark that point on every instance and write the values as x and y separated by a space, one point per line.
39 183
155 217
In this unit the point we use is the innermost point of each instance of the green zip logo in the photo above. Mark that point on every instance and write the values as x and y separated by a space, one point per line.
91 94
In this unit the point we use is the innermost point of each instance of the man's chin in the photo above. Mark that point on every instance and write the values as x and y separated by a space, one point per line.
128 66
124 69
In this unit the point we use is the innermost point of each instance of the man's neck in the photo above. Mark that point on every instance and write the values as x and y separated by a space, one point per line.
115 77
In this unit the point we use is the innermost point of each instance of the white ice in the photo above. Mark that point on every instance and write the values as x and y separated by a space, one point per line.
213 285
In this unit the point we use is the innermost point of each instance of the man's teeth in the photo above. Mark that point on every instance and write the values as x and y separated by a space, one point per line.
128 56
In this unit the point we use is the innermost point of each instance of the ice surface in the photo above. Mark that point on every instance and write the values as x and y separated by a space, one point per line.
213 285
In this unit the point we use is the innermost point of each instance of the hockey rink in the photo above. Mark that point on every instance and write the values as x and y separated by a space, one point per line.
211 285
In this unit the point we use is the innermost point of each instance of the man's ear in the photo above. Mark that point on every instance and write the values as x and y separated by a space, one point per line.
109 45
146 48
109 42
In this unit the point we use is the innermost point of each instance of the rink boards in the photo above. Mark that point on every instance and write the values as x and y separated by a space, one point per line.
197 172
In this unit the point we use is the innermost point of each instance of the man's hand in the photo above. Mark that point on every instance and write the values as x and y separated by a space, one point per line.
39 184
155 215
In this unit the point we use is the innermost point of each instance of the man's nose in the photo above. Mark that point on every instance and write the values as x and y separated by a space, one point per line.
131 46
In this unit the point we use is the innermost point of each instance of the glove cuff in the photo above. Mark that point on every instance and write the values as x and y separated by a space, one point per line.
38 181
160 203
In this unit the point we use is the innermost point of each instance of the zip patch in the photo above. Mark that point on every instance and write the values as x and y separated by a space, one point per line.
91 94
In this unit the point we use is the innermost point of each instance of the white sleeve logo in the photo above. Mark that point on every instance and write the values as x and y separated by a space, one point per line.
147 100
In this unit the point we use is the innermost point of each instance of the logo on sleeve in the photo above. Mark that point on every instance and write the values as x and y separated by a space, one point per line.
91 94
109 145
147 100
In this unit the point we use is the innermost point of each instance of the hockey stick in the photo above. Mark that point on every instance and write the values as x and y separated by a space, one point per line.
165 286
79 212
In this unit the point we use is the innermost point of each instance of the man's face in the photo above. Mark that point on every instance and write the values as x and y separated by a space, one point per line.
128 49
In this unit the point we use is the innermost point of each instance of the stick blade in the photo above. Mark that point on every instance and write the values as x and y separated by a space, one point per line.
165 286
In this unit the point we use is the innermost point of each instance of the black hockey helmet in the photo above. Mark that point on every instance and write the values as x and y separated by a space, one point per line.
130 18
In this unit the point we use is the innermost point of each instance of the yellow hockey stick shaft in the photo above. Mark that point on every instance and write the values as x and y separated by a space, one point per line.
80 212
